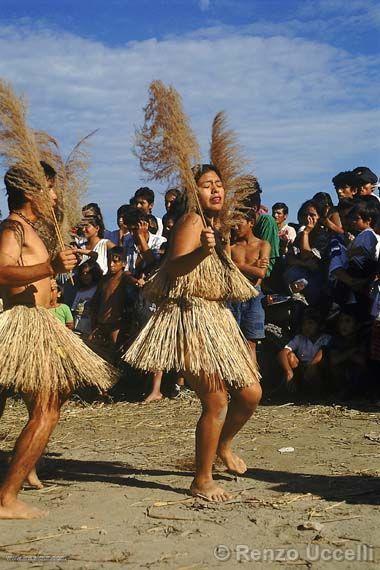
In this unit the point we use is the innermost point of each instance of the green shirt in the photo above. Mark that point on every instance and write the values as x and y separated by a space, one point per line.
63 313
266 228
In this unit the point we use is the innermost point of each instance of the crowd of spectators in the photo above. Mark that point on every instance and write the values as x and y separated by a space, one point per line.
315 324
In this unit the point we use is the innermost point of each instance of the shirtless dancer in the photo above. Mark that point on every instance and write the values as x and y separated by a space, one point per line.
251 255
25 273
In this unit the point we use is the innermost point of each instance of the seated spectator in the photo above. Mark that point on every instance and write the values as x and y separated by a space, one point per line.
118 236
251 255
306 262
367 181
144 200
60 310
171 196
286 233
346 357
96 246
86 281
108 303
302 357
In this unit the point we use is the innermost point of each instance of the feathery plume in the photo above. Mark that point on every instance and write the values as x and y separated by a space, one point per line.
226 154
18 149
165 145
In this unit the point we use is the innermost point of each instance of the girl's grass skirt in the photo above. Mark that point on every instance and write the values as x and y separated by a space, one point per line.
195 336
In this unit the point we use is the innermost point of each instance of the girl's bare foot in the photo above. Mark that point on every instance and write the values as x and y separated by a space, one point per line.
152 398
33 481
20 510
233 462
209 491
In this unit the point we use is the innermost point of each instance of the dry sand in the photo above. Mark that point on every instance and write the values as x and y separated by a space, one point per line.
117 477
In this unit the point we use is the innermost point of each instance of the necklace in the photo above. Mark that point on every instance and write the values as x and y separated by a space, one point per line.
33 224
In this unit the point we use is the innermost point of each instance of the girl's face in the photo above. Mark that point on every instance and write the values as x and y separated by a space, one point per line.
346 325
211 192
89 230
53 293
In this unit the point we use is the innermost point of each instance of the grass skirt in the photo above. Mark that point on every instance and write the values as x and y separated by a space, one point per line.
196 336
38 354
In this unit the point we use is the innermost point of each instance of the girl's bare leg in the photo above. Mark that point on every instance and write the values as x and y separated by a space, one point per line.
209 428
241 407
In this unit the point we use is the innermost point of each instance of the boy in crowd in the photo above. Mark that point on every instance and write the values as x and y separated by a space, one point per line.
286 233
251 255
119 236
301 358
362 257
346 184
144 200
367 181
108 302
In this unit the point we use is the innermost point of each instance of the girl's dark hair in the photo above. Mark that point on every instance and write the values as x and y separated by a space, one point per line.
324 201
94 269
305 206
94 207
97 221
200 169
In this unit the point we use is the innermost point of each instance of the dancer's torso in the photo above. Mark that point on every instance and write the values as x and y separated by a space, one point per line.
30 250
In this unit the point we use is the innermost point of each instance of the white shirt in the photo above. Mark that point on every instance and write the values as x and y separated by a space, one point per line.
101 249
304 348
131 252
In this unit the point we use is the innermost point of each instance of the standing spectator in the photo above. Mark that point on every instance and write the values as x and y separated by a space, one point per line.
265 226
171 197
119 236
306 263
108 303
251 255
144 200
286 233
368 181
86 281
346 184
96 244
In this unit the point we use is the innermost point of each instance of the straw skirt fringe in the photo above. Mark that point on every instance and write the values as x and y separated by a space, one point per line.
195 336
38 354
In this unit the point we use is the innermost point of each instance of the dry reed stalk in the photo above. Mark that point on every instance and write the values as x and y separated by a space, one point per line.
165 145
18 149
226 154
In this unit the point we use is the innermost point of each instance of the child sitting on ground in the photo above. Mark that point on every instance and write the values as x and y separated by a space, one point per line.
301 358
60 310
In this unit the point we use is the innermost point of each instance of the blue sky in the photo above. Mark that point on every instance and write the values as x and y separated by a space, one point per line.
298 80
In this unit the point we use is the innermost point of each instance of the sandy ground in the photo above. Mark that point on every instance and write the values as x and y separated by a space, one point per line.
117 477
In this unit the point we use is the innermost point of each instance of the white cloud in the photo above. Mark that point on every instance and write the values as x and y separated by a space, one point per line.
303 110
204 4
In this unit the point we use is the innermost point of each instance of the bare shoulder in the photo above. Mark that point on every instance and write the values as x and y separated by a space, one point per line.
190 220
12 229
